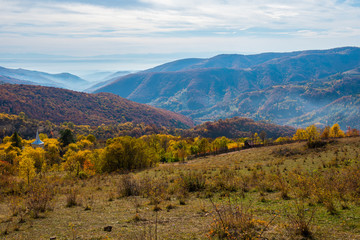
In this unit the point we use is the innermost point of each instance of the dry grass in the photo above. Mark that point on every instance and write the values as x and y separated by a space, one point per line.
172 201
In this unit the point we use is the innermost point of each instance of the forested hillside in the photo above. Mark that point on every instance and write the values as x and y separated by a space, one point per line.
60 105
231 128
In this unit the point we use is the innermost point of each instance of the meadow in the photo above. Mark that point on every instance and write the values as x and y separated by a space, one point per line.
289 191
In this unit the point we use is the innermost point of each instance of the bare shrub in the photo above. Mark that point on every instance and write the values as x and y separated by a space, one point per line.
71 198
16 205
300 221
128 186
156 190
235 221
282 184
39 197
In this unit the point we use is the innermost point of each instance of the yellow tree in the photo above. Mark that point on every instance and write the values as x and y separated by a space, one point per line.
10 153
335 131
300 134
313 133
75 160
38 155
85 144
27 168
52 151
204 145
326 132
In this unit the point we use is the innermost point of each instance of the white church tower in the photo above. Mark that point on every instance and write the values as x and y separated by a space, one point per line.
37 142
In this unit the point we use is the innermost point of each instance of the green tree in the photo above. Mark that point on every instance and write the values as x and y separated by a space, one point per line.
91 138
220 143
16 140
66 137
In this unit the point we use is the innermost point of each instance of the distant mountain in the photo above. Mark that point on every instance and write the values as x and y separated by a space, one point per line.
104 76
96 76
234 61
280 87
62 80
5 79
60 105
105 80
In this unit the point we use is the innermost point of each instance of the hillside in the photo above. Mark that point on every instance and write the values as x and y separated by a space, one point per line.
233 128
276 192
272 86
62 80
60 105
345 110
239 127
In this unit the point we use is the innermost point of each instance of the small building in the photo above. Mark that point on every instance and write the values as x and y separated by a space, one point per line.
37 142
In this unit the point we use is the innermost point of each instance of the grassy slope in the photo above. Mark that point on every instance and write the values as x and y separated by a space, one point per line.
192 220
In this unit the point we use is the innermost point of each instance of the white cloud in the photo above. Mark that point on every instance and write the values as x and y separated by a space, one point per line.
173 25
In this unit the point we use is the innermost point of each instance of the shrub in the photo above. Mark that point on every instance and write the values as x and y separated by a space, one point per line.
16 205
286 152
235 221
226 180
299 222
71 198
128 186
316 144
192 181
39 197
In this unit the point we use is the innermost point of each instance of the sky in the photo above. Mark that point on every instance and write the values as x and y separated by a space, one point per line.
170 29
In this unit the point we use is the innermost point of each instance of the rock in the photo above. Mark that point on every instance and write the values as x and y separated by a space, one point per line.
52 238
108 228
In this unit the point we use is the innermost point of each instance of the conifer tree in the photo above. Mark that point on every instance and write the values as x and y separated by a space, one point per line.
66 137
16 140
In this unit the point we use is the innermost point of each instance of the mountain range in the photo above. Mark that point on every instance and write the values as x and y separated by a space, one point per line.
297 88
61 80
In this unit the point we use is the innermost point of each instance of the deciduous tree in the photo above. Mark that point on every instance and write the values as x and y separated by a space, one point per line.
27 168
335 131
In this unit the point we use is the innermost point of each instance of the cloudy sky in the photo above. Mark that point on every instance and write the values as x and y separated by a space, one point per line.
89 28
